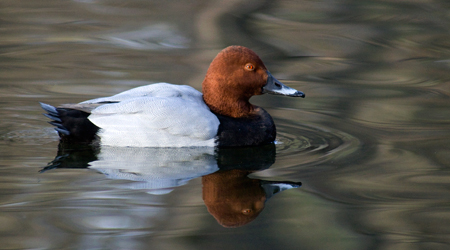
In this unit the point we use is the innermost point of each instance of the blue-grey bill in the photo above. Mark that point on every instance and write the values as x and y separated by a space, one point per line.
275 87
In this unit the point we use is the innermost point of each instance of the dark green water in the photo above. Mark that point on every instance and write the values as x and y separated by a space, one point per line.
369 143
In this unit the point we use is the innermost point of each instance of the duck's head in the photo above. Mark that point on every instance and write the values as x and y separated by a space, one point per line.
236 74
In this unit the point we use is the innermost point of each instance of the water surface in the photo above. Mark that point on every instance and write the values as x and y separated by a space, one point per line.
369 143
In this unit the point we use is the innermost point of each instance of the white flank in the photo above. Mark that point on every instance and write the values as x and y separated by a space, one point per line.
156 115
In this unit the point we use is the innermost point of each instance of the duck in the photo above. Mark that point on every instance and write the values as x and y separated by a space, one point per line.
170 115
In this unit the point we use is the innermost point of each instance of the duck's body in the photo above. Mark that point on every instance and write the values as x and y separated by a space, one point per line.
253 130
167 115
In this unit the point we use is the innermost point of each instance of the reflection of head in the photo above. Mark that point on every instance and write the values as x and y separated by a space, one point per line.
233 198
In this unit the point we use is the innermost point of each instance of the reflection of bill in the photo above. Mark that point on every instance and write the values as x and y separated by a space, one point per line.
230 195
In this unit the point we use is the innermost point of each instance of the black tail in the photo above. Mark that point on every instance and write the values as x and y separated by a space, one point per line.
53 114
73 126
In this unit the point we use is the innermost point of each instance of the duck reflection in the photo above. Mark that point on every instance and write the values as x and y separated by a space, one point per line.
229 194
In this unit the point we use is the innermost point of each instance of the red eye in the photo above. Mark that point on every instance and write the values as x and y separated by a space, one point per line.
246 211
249 67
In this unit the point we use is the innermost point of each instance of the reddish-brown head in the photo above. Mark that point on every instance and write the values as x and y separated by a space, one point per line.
236 74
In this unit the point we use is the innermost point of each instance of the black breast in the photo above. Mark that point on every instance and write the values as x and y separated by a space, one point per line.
256 129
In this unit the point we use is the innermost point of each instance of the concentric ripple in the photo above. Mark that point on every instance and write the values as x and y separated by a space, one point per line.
312 144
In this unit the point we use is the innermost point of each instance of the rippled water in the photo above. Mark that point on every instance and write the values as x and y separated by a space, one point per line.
369 143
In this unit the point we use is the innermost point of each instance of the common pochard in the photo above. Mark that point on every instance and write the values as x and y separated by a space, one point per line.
168 115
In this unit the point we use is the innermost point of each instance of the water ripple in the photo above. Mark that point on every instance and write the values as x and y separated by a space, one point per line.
312 144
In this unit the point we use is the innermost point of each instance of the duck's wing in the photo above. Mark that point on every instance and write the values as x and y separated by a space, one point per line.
169 118
87 107
161 89
157 89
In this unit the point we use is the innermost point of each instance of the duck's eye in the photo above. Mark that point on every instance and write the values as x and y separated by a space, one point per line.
246 211
249 67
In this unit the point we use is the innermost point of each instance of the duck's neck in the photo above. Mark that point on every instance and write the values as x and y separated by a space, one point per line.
227 104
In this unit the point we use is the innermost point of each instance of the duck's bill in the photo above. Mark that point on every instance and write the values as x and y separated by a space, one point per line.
275 87
273 187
